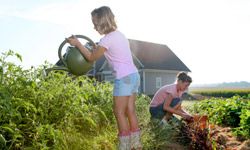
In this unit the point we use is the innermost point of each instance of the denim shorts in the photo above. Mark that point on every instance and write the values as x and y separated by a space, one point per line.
127 85
158 112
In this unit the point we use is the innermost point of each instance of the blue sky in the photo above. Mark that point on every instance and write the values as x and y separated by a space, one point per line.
210 36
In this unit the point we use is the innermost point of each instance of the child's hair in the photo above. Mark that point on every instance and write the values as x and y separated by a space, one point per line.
182 76
105 19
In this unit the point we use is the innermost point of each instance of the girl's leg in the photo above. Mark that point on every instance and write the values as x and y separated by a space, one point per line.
119 108
124 109
134 127
132 113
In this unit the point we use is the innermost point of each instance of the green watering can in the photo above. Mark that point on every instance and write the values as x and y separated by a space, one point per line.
74 61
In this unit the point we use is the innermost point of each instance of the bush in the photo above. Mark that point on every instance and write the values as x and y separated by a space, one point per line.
233 112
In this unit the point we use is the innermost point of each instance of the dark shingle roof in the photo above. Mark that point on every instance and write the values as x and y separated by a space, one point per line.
156 56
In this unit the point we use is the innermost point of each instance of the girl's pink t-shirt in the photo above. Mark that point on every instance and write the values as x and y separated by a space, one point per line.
162 93
118 54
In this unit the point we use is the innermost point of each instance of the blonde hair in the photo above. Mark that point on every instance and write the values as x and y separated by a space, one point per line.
105 19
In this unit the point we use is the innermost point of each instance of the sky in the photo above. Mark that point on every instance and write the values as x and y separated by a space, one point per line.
211 37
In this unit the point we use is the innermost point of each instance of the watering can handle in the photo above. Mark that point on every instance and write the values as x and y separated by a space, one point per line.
65 41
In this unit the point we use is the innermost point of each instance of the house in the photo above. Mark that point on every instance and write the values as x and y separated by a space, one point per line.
156 63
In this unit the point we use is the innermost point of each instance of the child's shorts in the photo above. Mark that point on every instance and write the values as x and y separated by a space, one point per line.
127 85
158 112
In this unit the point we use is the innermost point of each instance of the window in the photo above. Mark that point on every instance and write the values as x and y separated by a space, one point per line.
158 82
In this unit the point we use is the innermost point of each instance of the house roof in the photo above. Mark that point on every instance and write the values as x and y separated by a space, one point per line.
156 56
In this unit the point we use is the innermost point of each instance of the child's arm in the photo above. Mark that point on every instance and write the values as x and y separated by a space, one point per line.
189 116
169 109
90 56
174 110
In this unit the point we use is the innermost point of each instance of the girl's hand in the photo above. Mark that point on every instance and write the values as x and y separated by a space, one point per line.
187 117
73 41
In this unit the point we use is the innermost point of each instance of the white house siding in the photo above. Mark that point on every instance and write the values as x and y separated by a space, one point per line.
167 77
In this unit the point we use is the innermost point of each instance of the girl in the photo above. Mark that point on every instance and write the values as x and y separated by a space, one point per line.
115 47
167 102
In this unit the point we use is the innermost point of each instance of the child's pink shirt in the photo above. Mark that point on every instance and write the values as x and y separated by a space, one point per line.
162 93
118 54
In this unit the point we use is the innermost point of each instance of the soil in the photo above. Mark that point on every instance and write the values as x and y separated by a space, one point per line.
222 137
226 140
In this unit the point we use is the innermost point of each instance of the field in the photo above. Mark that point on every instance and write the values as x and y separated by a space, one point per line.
61 112
221 92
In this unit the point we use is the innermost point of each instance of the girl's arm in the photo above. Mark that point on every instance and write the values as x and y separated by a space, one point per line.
90 56
167 107
182 110
186 114
175 110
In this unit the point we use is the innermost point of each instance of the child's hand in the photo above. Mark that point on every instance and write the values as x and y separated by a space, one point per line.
187 117
73 41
